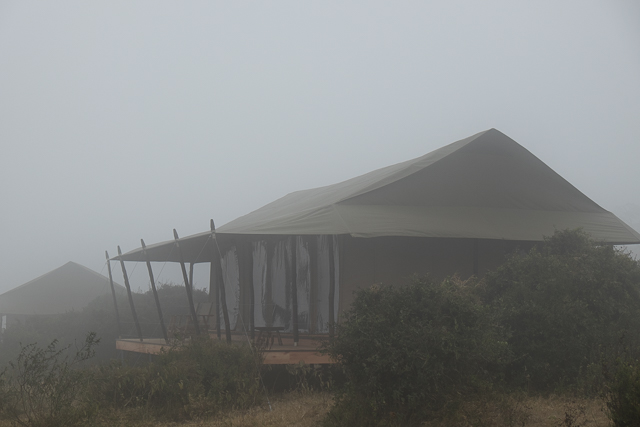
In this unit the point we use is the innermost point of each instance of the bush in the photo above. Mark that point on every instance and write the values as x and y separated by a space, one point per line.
409 351
548 320
568 304
623 396
200 378
98 317
42 388
66 329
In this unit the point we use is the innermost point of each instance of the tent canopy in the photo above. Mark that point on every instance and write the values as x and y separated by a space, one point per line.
486 186
69 287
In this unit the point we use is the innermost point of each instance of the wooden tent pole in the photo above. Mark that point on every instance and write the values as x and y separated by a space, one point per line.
113 292
126 283
217 257
187 286
294 289
332 285
191 275
155 292
312 245
268 293
248 253
214 292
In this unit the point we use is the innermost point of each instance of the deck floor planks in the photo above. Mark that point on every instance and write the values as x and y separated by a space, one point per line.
287 354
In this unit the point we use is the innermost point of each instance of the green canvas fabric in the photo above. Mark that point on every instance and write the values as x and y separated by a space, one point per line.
486 186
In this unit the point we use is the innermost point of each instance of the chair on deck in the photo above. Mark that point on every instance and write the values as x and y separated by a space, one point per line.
183 323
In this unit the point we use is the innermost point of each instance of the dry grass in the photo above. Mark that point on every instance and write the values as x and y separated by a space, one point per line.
308 409
294 409
518 411
289 410
564 411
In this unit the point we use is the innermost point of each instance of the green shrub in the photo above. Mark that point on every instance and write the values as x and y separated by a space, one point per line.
623 395
622 392
409 351
65 328
42 388
70 327
301 378
199 378
568 304
546 320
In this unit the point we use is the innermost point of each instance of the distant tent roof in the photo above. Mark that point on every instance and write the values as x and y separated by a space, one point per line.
486 186
70 287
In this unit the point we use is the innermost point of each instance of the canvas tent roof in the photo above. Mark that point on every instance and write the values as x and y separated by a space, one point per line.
69 287
486 186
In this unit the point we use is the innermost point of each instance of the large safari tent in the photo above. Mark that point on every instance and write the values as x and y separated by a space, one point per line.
296 262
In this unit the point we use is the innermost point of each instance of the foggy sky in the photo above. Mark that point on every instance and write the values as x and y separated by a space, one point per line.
122 120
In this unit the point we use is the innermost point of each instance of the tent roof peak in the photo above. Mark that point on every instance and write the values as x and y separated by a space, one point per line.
485 186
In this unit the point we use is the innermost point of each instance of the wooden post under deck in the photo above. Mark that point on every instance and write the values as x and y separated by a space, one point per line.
192 309
126 283
155 292
217 258
113 292
294 288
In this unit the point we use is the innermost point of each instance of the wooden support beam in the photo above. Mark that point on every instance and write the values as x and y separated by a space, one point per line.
294 288
332 286
312 246
187 286
223 300
113 293
141 347
274 357
245 261
217 258
191 275
215 277
252 317
269 307
277 355
126 283
214 293
155 292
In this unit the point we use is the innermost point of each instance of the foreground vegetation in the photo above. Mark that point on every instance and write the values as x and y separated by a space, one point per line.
42 388
310 408
563 318
70 329
551 338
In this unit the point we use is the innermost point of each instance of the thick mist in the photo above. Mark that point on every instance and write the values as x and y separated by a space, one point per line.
121 120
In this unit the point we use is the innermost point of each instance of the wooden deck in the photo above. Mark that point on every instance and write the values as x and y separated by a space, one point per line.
286 354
